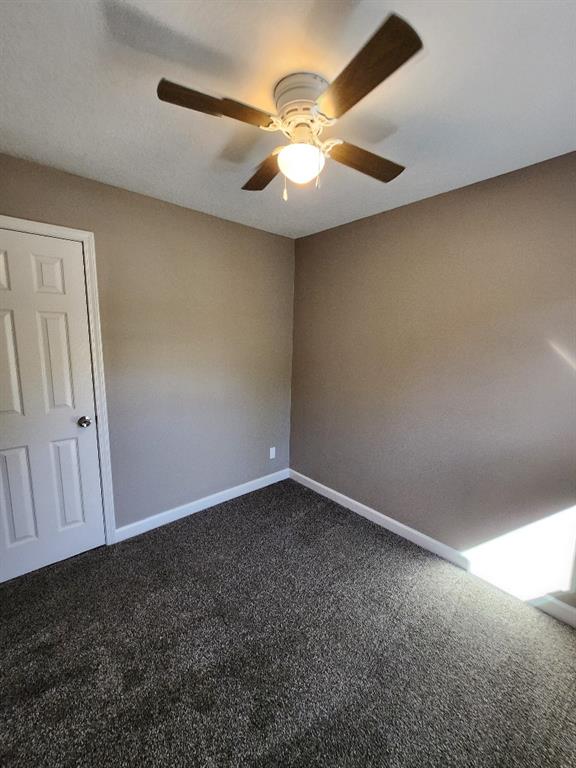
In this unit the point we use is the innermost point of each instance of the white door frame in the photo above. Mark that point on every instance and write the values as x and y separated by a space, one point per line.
87 241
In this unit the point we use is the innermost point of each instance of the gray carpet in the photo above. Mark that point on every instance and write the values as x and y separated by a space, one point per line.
278 630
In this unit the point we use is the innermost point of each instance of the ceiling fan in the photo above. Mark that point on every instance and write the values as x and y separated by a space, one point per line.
307 104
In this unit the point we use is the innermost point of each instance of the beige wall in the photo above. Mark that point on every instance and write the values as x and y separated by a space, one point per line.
428 376
197 332
426 382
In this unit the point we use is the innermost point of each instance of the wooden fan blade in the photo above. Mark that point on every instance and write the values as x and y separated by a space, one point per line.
365 162
186 97
210 105
244 113
267 170
392 45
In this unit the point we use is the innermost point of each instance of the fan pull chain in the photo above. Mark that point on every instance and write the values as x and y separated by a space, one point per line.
285 193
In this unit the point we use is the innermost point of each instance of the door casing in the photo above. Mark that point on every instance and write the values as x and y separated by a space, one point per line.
88 248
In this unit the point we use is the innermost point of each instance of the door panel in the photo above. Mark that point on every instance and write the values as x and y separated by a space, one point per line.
55 350
10 396
17 504
67 481
50 497
4 275
48 274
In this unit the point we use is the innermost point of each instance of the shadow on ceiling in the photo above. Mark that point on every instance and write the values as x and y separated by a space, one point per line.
139 30
136 29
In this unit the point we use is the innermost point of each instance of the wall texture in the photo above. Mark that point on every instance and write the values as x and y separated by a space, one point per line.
434 349
197 334
434 362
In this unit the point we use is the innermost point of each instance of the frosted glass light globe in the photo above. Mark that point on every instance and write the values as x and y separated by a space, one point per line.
300 162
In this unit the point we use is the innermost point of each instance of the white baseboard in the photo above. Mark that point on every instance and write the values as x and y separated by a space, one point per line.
170 515
550 605
421 539
556 608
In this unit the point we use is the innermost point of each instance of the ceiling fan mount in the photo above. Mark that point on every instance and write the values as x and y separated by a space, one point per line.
299 118
298 91
306 104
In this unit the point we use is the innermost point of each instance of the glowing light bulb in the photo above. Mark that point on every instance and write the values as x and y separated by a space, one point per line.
301 162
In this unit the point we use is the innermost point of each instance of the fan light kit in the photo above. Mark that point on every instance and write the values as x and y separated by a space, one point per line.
301 162
306 104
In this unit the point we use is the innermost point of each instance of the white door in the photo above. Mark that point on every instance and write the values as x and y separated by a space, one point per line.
50 497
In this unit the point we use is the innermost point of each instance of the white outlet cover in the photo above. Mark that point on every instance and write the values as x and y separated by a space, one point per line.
273 452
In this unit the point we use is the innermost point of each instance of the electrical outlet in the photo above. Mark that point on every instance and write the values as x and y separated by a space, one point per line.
273 452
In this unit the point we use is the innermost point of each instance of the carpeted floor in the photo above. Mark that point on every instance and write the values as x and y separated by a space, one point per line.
278 630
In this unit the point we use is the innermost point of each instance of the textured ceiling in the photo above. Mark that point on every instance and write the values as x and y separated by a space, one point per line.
492 91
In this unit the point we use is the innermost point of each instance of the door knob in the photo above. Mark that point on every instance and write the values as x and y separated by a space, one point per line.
83 421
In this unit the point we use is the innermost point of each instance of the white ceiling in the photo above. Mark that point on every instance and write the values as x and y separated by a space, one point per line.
493 90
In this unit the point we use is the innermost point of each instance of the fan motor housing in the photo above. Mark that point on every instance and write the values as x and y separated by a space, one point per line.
297 93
